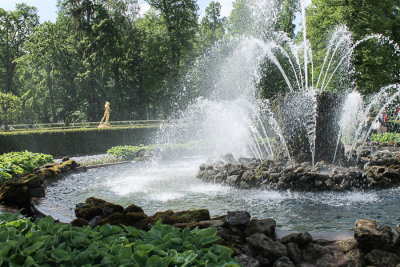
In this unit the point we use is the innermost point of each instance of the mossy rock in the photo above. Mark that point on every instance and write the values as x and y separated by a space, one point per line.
87 211
33 180
170 217
117 218
96 201
111 208
137 219
17 191
79 222
17 194
96 207
133 208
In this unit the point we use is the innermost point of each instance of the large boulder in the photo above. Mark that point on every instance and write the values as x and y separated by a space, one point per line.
301 239
19 191
96 207
189 216
267 247
237 218
380 258
370 237
263 226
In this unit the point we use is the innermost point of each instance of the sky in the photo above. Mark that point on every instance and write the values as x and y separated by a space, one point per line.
47 9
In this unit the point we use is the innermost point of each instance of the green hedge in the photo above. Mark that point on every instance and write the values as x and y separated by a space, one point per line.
71 142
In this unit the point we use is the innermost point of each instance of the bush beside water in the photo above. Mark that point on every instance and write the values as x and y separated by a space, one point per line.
15 163
46 242
386 138
128 152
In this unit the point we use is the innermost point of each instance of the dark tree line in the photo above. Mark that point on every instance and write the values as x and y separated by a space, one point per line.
100 50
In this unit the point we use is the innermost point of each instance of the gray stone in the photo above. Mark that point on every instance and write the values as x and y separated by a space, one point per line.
356 258
369 237
263 226
95 221
312 252
380 258
348 244
267 247
233 180
238 218
229 235
301 239
283 262
294 252
247 261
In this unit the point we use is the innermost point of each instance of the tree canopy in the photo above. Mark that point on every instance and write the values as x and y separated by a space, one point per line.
108 50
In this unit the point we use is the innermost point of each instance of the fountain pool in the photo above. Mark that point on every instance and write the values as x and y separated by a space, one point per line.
173 185
222 110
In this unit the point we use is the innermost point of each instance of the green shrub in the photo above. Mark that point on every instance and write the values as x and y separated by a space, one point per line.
128 152
20 163
386 137
53 244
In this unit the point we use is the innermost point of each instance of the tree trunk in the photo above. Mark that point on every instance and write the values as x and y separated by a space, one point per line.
10 67
51 93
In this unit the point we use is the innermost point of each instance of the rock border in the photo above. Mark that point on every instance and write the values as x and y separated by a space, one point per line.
378 170
255 242
19 191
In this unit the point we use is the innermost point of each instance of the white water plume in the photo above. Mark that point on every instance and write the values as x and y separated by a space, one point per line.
224 114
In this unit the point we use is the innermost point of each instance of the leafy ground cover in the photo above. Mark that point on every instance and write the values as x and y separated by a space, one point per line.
45 242
15 163
386 137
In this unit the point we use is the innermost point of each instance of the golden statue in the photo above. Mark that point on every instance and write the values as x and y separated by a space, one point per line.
106 116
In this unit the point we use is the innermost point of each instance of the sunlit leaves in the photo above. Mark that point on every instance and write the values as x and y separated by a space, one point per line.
60 244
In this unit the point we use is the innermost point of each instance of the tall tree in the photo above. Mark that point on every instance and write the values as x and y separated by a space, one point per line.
93 23
180 18
212 24
15 29
240 19
374 62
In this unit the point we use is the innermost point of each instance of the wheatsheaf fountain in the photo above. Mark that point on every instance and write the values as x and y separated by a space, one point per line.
303 158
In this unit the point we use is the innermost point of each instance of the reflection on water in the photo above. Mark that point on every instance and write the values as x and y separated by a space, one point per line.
173 185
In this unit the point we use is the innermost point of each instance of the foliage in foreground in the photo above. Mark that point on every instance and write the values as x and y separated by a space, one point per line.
45 242
386 137
20 163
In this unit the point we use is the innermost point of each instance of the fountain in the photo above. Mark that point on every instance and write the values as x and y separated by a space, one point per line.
263 146
307 123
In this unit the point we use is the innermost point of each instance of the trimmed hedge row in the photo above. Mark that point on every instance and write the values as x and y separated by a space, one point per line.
70 142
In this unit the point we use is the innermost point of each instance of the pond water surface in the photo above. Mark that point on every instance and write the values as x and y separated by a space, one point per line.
173 185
